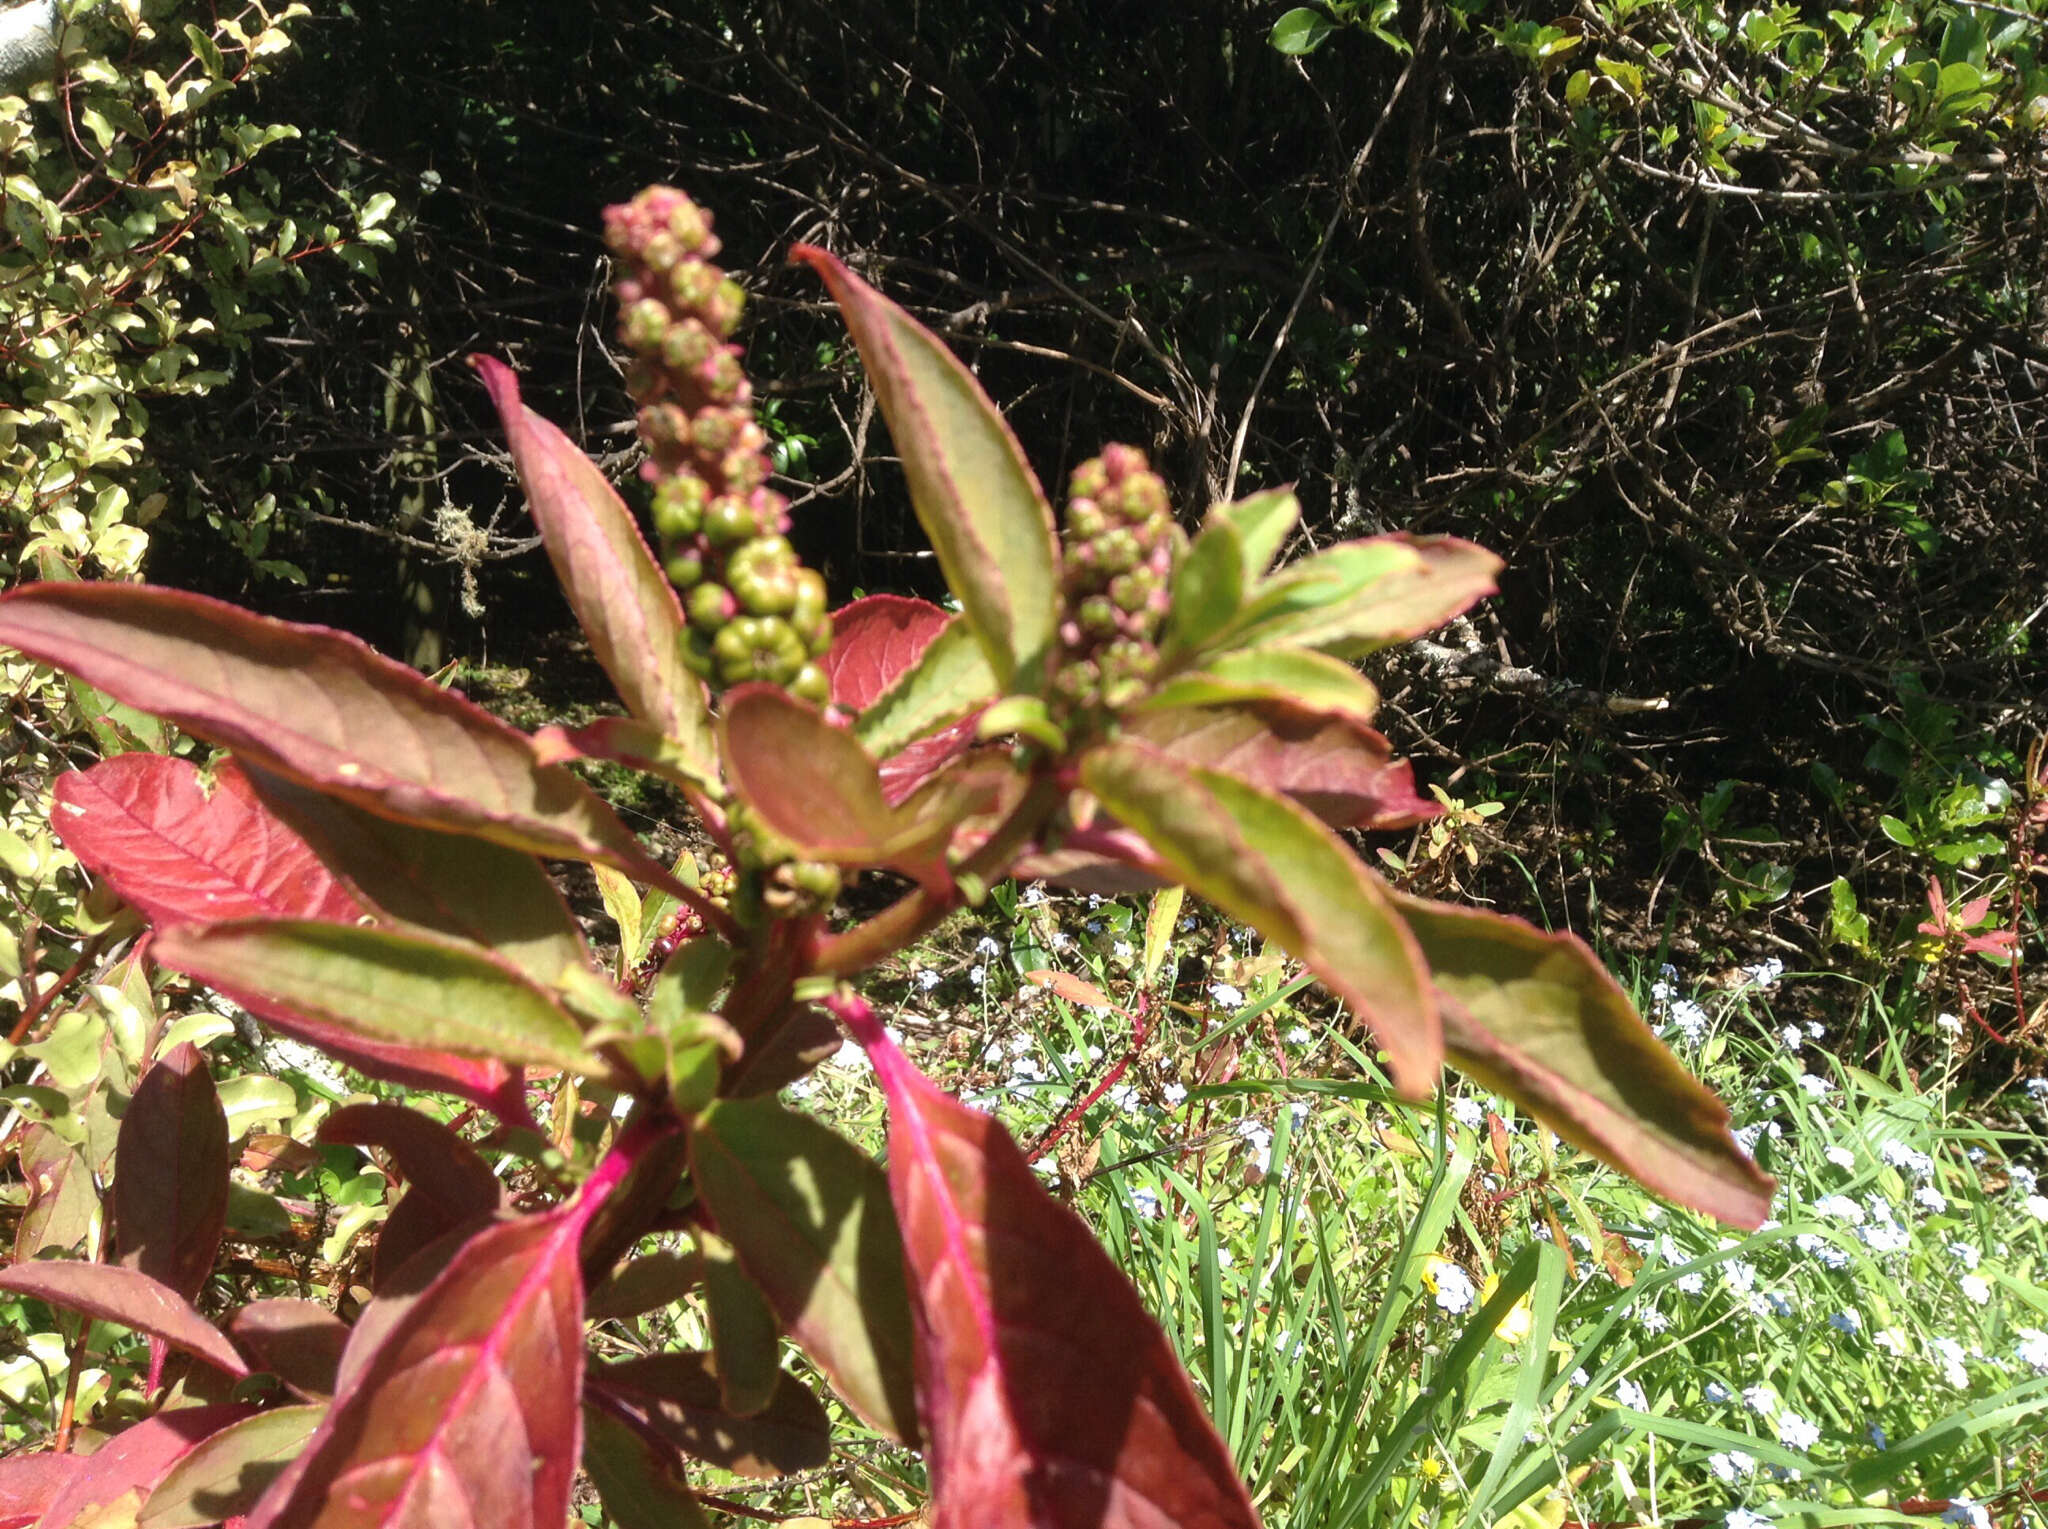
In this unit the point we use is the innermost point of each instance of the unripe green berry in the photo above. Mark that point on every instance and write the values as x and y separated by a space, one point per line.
1085 520
1097 616
809 604
1132 590
1088 480
714 429
687 345
711 606
729 520
684 570
644 325
693 283
690 226
811 685
679 506
723 307
1117 551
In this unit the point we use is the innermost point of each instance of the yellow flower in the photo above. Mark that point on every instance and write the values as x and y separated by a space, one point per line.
1513 1327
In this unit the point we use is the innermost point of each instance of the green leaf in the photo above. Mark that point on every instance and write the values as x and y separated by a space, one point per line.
972 489
1301 30
745 1338
1208 588
1262 523
640 1480
1536 1017
230 1470
414 989
449 884
950 679
810 1217
675 1396
1361 596
1268 863
1313 682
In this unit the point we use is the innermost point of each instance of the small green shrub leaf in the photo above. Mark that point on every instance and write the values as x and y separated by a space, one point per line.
1301 30
451 884
972 489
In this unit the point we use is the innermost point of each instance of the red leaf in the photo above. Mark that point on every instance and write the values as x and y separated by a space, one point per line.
62 1203
321 707
144 824
111 1484
171 1173
128 1297
875 640
30 1483
1342 771
913 765
1050 1397
300 1342
449 1184
464 1413
171 1179
628 609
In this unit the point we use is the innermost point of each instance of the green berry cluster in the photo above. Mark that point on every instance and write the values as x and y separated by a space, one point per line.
755 612
1120 548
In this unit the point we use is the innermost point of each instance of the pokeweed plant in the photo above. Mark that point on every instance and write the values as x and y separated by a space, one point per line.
1115 707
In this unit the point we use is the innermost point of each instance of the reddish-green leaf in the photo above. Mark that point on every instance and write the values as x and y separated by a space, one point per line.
171 1173
815 785
1536 1017
300 1342
406 988
111 1486
1267 863
461 1414
448 1184
675 1396
969 483
1311 682
914 766
808 1213
627 607
181 854
128 1297
876 641
452 884
639 1478
1051 1398
223 1477
1363 595
1343 772
319 706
